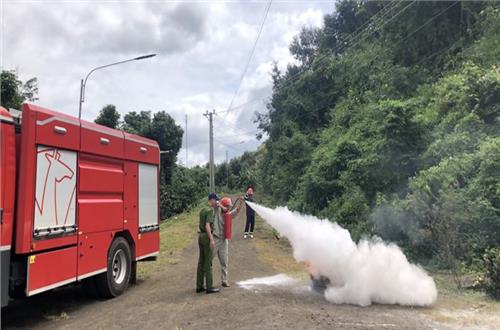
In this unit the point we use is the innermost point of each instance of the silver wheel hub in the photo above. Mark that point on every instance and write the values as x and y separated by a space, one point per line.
119 266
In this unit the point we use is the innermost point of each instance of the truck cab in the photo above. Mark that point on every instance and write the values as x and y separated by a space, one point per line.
79 202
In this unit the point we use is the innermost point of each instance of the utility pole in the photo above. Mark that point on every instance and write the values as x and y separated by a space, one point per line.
186 140
210 115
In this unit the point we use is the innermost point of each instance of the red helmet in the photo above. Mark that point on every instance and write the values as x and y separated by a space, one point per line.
226 202
250 191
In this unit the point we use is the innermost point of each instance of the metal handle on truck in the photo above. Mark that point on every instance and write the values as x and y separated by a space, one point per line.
104 141
143 150
60 130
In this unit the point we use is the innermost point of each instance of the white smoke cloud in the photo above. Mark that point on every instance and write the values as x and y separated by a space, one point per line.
371 271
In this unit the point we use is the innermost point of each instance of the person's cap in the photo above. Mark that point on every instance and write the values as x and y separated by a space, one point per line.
213 195
250 191
226 202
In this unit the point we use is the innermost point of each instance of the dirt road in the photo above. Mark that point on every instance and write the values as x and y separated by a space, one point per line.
167 300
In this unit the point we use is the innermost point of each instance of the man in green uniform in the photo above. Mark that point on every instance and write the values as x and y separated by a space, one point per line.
206 244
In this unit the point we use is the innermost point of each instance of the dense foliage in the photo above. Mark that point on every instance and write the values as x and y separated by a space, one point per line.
389 123
13 92
108 116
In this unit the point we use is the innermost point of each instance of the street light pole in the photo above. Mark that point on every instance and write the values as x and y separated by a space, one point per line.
83 82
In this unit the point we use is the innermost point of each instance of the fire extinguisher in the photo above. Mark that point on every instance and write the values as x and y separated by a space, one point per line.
228 219
226 203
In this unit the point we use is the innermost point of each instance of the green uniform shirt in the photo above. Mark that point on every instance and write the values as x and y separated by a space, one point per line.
206 216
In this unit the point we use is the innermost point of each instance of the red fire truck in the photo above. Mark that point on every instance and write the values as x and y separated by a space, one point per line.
79 202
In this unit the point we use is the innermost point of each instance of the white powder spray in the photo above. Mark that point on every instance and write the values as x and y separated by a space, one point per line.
368 272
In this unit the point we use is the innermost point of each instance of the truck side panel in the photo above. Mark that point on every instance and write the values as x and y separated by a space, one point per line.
25 205
100 195
100 140
7 191
47 179
141 150
148 244
101 210
93 253
130 211
49 270
7 181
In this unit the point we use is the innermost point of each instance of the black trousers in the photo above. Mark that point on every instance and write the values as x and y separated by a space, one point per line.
250 223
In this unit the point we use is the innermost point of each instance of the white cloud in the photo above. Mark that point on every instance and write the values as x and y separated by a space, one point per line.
202 49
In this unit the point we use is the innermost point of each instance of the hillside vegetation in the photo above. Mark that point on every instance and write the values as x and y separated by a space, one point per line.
389 124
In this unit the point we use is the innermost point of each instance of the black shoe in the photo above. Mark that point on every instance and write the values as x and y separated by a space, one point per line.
200 290
212 290
225 284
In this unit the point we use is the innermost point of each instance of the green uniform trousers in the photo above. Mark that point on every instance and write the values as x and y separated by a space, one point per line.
204 263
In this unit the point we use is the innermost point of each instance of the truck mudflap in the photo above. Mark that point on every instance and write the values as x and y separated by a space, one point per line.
51 269
4 274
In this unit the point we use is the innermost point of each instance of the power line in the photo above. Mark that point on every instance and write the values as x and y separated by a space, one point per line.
233 145
289 80
324 57
297 75
251 53
438 52
411 34
422 26
239 134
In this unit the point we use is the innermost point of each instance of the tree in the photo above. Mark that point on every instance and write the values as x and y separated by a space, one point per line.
14 92
168 134
137 123
108 116
303 46
162 128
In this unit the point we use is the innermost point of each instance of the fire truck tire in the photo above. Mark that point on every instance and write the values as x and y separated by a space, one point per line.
115 280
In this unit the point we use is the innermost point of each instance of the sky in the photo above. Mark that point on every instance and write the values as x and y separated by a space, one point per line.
202 48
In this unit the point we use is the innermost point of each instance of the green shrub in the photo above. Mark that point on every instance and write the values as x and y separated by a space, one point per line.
492 265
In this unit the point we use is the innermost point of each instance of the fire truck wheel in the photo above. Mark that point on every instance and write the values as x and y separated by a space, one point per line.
115 280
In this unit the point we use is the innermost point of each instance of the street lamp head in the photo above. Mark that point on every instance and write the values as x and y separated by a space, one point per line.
84 81
144 57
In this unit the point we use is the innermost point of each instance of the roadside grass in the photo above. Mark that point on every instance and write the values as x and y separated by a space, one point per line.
176 234
463 308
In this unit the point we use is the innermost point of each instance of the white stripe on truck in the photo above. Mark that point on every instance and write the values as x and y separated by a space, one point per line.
52 286
147 256
54 118
99 271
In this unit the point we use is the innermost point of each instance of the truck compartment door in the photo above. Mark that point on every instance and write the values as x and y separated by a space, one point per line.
148 237
100 210
55 192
